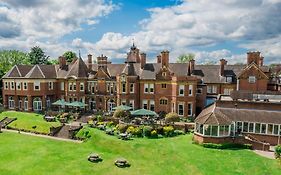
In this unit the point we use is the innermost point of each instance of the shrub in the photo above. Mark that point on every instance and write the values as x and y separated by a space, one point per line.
159 130
153 134
110 124
137 132
99 118
100 123
172 117
168 131
121 114
147 131
179 132
227 146
278 152
130 130
122 128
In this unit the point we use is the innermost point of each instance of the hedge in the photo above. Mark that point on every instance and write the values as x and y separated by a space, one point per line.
227 146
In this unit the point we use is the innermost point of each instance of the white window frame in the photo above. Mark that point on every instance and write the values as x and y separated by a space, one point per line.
190 109
82 89
152 103
151 88
18 85
132 88
181 89
51 85
123 88
62 86
190 90
181 104
144 102
252 79
146 89
25 86
132 104
36 83
11 103
37 104
12 85
6 86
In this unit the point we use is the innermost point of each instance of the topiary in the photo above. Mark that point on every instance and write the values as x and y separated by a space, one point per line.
172 117
122 128
130 130
168 131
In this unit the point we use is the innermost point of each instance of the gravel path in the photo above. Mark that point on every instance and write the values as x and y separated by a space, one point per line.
44 136
266 154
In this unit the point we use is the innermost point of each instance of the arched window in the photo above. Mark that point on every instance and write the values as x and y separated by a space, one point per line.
11 102
163 101
25 104
37 104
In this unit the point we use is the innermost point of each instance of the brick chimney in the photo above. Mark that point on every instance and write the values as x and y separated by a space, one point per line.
253 57
102 61
261 61
62 62
191 65
165 58
90 63
223 62
158 58
142 59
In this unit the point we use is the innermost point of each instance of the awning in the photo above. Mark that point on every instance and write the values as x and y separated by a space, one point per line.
143 112
122 107
77 104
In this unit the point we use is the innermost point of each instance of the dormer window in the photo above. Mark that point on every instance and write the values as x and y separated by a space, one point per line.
229 79
252 79
164 74
123 78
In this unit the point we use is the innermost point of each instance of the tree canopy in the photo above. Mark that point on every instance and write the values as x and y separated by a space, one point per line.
9 58
69 55
184 58
37 56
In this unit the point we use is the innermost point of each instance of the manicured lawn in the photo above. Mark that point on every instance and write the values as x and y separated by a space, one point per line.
22 154
28 120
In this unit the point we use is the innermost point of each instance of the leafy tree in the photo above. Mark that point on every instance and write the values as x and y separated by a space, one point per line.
37 56
9 58
184 58
69 55
53 61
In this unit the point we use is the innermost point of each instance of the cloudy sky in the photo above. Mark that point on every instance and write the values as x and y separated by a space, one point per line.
212 29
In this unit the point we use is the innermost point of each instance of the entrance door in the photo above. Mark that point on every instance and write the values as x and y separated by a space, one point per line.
111 104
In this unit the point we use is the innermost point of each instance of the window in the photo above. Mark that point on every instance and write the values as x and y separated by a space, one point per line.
263 128
18 85
224 130
229 79
132 104
51 85
37 85
207 130
181 109
37 104
25 86
190 90
152 105
164 85
151 87
74 86
257 128
62 86
239 127
144 104
81 87
212 89
25 104
123 102
112 85
251 127
11 103
164 74
6 85
132 88
145 88
181 90
123 88
245 126
275 130
227 91
12 85
70 86
270 129
107 87
163 102
252 79
189 109
214 131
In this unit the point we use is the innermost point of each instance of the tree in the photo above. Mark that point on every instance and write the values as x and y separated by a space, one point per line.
37 56
121 114
184 58
69 55
172 117
52 62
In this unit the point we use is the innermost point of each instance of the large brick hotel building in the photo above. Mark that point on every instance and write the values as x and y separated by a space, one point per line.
159 86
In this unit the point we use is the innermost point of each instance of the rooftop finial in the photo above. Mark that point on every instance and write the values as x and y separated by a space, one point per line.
79 54
133 47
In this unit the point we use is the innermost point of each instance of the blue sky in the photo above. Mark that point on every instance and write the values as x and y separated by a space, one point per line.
211 29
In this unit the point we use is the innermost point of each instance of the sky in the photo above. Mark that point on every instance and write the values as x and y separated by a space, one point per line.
211 29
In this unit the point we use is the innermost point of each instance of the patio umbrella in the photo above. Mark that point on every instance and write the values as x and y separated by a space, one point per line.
60 102
77 104
122 107
143 112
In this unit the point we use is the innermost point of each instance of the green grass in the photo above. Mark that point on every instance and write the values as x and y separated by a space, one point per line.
22 154
28 120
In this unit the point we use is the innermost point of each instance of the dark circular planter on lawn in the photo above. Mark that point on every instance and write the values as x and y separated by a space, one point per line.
94 158
122 163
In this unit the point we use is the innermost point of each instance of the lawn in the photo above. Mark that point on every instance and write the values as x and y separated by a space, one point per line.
22 154
28 120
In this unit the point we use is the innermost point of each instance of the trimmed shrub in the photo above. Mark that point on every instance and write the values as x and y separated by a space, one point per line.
137 132
168 131
227 146
110 124
121 114
278 152
153 134
147 131
130 130
122 128
172 117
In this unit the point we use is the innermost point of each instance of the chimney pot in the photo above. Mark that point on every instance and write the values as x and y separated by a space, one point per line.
142 59
223 62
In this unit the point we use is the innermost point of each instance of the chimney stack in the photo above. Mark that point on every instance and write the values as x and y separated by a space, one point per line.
191 65
142 59
102 61
158 58
223 62
62 62
253 57
165 58
90 63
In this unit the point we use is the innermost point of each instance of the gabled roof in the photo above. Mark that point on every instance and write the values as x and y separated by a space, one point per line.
129 70
35 72
252 65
